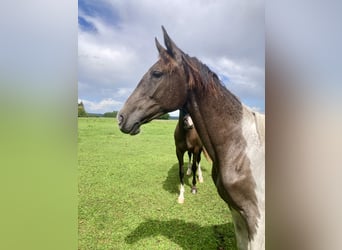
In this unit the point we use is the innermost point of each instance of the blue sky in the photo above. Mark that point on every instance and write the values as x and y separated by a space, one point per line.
116 45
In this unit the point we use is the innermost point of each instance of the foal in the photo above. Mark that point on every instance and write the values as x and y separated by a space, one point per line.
187 139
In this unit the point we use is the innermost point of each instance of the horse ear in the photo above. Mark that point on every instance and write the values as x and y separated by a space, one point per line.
159 47
172 48
162 52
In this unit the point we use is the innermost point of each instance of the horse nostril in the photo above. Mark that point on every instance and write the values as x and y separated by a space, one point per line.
120 119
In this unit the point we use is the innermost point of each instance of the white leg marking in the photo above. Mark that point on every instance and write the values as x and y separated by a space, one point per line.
189 171
181 195
200 175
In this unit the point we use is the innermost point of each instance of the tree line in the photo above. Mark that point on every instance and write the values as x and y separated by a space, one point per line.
82 113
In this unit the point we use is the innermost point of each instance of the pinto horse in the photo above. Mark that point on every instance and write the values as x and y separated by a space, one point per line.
232 133
187 139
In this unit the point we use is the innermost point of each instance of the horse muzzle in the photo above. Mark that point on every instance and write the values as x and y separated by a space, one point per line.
126 127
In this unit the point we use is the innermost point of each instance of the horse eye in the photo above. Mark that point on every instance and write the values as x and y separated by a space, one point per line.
157 74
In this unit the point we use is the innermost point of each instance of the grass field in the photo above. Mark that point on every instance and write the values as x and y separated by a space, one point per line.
128 189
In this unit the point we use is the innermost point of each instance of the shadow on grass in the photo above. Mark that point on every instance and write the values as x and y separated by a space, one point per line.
186 235
171 183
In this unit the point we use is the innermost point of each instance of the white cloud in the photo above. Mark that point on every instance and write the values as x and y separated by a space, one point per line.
238 72
105 105
226 35
124 91
257 109
104 64
245 80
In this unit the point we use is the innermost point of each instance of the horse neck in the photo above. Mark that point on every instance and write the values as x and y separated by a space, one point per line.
214 117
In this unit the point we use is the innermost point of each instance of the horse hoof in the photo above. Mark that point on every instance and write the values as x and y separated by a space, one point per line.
194 190
180 200
188 172
200 180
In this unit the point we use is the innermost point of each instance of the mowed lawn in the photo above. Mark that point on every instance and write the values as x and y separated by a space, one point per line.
128 189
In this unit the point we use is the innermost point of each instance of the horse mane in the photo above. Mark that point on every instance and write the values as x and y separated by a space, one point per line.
200 76
206 82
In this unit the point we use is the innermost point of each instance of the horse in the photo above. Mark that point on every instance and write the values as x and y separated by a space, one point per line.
232 133
187 139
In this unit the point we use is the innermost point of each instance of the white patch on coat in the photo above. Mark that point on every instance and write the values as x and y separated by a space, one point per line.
200 175
253 130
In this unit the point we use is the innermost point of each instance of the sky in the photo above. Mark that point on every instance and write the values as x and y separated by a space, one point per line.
116 45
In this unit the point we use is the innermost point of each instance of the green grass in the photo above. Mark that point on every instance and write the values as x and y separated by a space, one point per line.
128 189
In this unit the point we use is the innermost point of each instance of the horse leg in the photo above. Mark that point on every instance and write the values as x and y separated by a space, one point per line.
188 172
194 167
241 231
180 155
200 175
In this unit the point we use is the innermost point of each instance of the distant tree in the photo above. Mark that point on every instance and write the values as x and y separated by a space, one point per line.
110 114
164 116
94 115
81 110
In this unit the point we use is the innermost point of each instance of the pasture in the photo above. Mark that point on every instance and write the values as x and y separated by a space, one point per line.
128 189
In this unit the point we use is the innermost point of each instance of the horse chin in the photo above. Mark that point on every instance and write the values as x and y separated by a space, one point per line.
135 129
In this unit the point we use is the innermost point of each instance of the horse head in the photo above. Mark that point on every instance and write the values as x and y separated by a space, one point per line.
188 123
162 89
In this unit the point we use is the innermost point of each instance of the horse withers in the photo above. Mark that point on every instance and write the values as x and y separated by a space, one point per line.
233 135
187 139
